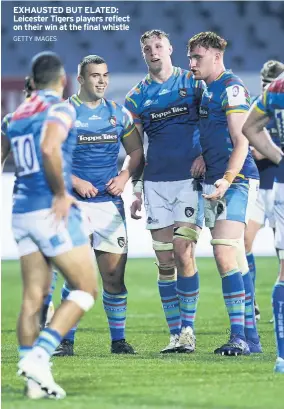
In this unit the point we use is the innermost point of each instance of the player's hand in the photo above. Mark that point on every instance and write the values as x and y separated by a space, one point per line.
84 188
198 167
115 186
61 206
222 186
136 206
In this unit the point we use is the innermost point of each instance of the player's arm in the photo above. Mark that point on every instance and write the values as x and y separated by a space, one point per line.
134 162
255 131
5 142
5 148
55 130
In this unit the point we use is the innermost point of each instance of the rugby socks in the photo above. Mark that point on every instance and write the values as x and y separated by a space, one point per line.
252 268
48 340
170 303
278 312
234 297
188 294
250 322
70 336
23 350
115 306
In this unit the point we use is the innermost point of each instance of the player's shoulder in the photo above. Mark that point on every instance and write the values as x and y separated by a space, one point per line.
229 79
116 109
139 89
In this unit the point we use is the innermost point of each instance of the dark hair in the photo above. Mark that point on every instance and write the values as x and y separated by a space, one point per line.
28 88
46 67
271 70
89 59
207 39
153 33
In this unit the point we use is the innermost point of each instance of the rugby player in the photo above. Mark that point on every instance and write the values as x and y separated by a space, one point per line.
230 185
271 106
164 105
48 307
102 126
264 206
46 221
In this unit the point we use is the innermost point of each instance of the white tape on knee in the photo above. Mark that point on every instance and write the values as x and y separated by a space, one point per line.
81 298
241 253
281 254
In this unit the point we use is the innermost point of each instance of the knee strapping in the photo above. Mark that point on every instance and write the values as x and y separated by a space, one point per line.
186 233
240 247
165 268
281 254
83 299
162 246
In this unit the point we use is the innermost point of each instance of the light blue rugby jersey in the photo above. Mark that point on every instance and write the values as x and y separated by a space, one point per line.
168 113
100 131
267 169
222 97
31 189
272 103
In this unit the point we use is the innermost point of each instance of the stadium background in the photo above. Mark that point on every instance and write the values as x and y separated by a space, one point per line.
253 31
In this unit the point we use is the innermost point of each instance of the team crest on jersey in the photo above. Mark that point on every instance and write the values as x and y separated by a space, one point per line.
182 92
121 241
112 121
189 211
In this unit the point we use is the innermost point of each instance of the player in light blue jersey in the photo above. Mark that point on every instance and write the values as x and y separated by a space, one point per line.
165 105
102 126
231 183
46 221
271 106
264 206
48 307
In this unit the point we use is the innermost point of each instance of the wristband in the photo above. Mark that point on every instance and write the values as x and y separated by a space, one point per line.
229 177
137 186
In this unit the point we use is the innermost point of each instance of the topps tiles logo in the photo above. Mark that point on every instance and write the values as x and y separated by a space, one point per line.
101 138
169 112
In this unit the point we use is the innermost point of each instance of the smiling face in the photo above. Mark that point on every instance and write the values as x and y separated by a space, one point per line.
94 80
157 53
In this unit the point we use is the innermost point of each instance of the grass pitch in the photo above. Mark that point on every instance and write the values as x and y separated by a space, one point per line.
95 379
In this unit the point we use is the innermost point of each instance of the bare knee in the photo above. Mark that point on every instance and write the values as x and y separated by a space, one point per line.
225 257
184 256
113 282
32 302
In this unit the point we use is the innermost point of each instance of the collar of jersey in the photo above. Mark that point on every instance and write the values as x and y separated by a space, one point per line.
47 92
149 80
78 102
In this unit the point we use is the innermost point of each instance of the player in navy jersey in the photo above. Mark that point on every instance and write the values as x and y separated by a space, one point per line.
102 126
264 206
271 106
165 105
231 182
46 222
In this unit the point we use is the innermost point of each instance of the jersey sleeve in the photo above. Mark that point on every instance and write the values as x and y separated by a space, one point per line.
128 122
260 103
5 123
235 98
132 104
62 113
